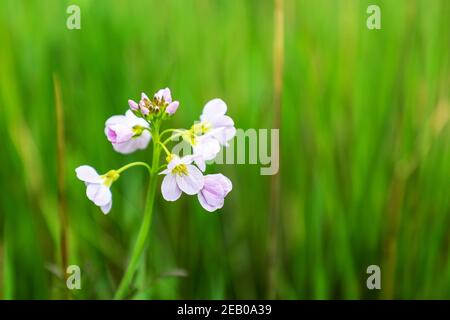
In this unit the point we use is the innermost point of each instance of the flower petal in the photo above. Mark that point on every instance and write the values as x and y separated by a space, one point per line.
169 188
226 184
188 159
119 133
206 147
222 180
172 107
164 94
131 120
224 129
214 195
106 208
213 108
99 194
114 120
174 162
215 189
124 148
165 171
145 111
192 182
201 164
224 134
142 141
137 143
88 174
141 122
91 190
205 204
222 121
133 105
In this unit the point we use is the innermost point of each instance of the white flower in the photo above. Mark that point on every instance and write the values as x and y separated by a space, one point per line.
214 121
97 186
215 189
181 176
127 133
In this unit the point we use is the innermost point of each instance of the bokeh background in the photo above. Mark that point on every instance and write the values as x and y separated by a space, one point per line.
365 160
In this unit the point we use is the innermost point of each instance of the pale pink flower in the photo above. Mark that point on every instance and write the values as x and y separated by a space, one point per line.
97 186
214 121
127 133
181 176
215 189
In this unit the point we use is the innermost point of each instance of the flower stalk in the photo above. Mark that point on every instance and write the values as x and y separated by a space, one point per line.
146 222
133 164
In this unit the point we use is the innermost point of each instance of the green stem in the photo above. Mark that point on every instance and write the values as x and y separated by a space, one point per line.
165 148
168 131
179 134
162 167
141 240
132 164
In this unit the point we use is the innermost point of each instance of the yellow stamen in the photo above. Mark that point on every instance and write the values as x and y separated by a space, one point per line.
180 170
189 136
137 130
201 128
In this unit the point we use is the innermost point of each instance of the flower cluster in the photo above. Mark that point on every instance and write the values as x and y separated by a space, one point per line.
161 104
141 124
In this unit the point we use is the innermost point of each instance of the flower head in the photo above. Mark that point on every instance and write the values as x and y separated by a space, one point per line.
214 129
162 100
181 176
215 189
214 122
97 186
127 133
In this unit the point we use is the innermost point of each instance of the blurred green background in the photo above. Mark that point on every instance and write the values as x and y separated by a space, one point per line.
365 158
